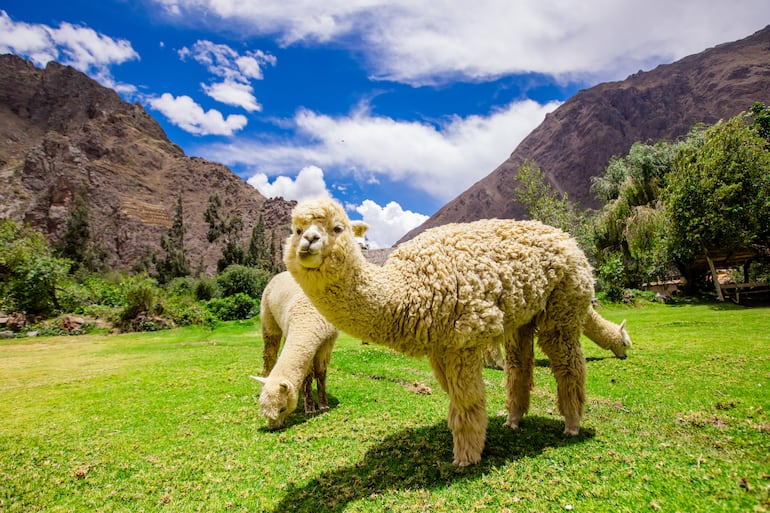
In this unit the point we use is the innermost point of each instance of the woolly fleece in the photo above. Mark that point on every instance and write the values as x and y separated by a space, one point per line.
447 294
309 339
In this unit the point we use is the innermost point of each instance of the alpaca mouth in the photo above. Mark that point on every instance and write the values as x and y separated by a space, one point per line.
309 259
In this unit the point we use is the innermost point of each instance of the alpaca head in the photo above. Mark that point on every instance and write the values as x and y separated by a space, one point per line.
322 237
625 342
276 401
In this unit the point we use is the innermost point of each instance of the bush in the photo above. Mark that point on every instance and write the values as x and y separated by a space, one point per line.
241 279
239 306
206 288
611 277
29 274
142 298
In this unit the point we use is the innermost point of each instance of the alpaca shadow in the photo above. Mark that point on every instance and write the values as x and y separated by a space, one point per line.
300 417
420 458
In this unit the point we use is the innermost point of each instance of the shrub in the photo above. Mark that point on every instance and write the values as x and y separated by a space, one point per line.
238 306
241 279
142 298
611 277
206 288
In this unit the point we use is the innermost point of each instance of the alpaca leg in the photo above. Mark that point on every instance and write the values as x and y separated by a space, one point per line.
569 368
320 380
320 364
270 352
307 392
519 364
460 374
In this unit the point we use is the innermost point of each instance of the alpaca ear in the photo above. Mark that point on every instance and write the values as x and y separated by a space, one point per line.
622 325
259 378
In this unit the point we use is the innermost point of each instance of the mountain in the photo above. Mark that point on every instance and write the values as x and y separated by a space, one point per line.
62 135
575 142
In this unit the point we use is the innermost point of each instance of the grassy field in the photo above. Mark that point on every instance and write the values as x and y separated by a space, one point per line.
168 421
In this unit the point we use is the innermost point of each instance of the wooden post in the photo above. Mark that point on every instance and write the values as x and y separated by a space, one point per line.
714 277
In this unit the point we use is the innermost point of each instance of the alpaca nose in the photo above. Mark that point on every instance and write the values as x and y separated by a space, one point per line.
311 237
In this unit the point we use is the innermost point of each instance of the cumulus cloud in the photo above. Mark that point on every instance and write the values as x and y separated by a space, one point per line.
80 47
185 113
235 94
308 184
416 43
441 160
236 71
387 224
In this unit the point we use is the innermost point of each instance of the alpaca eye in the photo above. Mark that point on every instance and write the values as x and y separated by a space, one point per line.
298 232
282 409
338 228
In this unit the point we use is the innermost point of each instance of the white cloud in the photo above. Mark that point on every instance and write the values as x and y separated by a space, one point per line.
441 160
236 70
421 43
183 112
309 184
233 93
80 47
387 224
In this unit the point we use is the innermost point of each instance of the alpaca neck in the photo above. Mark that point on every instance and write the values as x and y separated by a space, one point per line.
361 293
295 360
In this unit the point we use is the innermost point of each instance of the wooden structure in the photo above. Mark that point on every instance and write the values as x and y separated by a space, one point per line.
714 259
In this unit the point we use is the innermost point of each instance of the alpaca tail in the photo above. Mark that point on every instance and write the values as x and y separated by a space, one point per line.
606 334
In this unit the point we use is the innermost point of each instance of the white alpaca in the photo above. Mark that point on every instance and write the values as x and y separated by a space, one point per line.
447 294
309 338
599 330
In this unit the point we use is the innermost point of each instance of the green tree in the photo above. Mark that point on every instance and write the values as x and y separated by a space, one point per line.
175 263
257 255
544 203
225 227
628 228
718 193
76 244
29 273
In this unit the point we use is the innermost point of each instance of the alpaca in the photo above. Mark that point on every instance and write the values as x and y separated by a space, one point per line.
600 331
287 312
447 294
607 335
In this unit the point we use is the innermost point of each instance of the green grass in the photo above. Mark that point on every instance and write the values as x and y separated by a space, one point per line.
168 421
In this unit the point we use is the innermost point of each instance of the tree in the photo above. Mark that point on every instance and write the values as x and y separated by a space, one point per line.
543 202
175 263
628 228
29 273
76 244
226 227
257 255
718 193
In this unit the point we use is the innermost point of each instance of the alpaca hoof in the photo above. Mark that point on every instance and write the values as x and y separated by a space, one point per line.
466 463
572 431
511 424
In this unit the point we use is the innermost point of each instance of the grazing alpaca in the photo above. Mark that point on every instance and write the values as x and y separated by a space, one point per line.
600 331
447 294
607 335
287 313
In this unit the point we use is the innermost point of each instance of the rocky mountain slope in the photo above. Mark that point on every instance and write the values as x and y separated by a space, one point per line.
576 141
63 135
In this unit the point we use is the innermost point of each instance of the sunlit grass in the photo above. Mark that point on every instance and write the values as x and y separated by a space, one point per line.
168 421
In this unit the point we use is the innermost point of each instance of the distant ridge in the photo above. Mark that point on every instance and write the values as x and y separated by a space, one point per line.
62 135
576 141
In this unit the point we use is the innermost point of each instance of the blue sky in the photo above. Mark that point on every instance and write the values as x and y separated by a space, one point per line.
392 107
